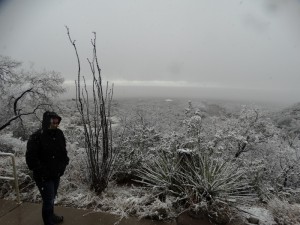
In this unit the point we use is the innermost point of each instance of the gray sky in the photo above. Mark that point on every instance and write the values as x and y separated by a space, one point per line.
233 48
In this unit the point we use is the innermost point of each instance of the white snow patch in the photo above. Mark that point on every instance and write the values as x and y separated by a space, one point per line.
264 215
185 150
18 146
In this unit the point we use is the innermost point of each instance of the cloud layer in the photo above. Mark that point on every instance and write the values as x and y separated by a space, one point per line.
238 44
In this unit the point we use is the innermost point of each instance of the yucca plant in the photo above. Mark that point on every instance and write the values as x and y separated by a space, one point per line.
199 177
207 178
162 174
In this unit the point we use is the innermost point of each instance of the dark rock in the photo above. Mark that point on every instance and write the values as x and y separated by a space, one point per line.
253 220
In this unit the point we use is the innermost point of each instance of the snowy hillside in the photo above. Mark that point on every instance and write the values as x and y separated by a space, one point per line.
178 155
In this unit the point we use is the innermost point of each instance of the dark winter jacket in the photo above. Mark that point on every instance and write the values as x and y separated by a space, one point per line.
46 151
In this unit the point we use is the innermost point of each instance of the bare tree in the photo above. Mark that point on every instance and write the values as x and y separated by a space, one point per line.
95 116
23 93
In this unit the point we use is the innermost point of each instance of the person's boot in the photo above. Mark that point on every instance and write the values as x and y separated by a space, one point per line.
57 219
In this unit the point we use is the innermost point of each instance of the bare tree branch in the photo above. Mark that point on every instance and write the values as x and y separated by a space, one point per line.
18 98
7 123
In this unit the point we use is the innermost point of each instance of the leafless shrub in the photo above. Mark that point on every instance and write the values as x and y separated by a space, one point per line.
95 117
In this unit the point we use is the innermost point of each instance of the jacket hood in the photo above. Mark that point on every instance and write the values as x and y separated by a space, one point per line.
47 116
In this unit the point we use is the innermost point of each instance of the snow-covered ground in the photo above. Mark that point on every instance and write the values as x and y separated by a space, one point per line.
264 215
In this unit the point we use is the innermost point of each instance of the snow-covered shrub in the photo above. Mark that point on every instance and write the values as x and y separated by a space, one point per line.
158 210
76 172
23 129
136 141
295 196
20 131
253 141
218 212
128 161
284 213
274 168
146 206
76 120
194 125
5 185
6 148
74 134
259 177
26 183
10 144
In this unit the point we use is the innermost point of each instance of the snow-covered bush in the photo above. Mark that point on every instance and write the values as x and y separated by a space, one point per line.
284 213
74 134
126 164
26 183
217 212
137 140
10 144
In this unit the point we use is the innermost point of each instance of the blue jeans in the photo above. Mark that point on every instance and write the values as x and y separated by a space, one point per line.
48 190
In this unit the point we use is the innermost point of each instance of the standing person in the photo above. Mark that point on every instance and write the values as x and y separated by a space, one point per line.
47 157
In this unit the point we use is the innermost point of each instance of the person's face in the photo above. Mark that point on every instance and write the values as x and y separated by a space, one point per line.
54 122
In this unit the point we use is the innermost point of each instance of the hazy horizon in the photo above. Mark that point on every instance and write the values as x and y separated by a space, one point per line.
214 94
236 49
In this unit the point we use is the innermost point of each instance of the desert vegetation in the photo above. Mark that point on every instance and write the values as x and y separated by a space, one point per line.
176 156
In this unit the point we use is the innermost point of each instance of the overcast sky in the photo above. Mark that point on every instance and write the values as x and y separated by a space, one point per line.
233 48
